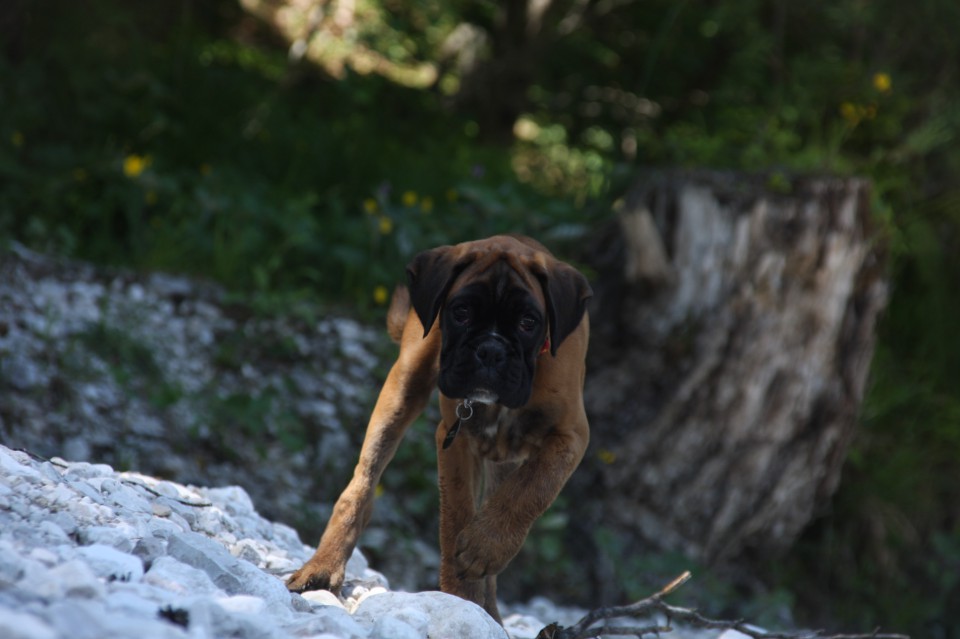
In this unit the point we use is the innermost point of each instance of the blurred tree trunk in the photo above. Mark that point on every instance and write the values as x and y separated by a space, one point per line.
494 87
732 333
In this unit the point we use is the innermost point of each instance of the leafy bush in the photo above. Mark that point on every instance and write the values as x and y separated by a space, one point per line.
148 138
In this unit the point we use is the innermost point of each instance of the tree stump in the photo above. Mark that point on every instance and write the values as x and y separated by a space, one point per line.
732 332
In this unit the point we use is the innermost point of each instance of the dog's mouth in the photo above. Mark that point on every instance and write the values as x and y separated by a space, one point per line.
483 396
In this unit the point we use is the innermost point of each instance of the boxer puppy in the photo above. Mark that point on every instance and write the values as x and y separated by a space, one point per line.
500 326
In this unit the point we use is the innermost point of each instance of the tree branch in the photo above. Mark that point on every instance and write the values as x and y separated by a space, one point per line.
654 604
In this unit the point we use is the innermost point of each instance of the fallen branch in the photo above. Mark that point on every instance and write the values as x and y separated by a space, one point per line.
185 502
587 627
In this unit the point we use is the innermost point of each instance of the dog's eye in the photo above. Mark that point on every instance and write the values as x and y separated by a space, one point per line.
460 314
528 323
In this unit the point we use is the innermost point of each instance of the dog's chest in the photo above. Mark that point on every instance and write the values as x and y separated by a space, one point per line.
500 434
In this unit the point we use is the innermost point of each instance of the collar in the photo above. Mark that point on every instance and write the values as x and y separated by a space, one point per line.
546 346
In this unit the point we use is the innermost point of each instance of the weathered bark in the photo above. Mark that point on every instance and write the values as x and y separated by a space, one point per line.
733 328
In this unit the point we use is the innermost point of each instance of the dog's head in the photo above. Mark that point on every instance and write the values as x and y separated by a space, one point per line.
501 302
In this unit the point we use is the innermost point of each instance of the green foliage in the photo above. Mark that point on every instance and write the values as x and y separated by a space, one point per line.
167 146
256 419
892 542
131 362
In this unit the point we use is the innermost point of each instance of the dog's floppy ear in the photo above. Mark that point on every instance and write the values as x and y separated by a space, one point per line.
566 292
430 275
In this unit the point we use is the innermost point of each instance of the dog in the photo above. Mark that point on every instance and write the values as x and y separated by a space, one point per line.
501 327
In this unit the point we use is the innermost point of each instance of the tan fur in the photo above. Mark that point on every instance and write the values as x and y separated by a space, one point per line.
397 314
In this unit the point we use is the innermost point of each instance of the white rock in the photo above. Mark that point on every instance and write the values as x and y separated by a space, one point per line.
121 536
247 550
390 627
51 472
148 549
111 564
93 620
418 619
133 600
15 568
449 616
178 577
209 520
51 533
235 499
87 490
375 579
12 464
20 625
132 562
128 499
188 513
89 512
12 566
165 527
280 564
246 604
523 626
71 579
65 520
357 564
76 619
215 621
83 470
19 507
323 598
41 555
235 576
329 620
545 610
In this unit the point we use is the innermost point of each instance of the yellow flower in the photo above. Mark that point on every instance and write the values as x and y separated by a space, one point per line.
370 205
452 195
882 83
380 294
426 204
606 456
850 113
16 139
386 225
378 491
409 198
134 165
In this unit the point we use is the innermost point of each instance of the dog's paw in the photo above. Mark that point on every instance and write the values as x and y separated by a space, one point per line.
313 575
483 550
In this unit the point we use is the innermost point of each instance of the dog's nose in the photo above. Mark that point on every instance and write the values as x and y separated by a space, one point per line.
492 354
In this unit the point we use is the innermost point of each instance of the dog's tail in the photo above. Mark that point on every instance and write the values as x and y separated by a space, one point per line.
399 310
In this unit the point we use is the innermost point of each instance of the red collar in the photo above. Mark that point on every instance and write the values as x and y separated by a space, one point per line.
546 346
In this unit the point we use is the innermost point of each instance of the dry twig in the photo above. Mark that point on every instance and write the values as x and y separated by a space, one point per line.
587 627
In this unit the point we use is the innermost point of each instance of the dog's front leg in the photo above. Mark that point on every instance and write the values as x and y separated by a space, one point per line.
459 480
497 531
404 396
